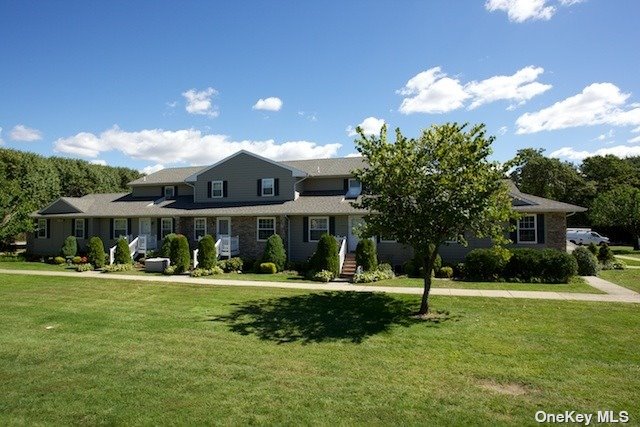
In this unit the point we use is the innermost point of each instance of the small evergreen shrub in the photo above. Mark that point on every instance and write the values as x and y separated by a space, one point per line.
78 260
207 253
485 264
557 266
232 265
179 254
70 247
169 271
323 276
96 255
84 267
326 256
605 254
414 267
274 252
200 272
268 268
59 260
165 249
593 248
123 254
540 266
117 267
614 265
383 272
366 255
587 262
445 273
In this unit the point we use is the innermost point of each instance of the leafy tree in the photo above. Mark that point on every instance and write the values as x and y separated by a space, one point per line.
366 255
619 207
326 256
122 254
432 189
180 258
96 254
274 252
610 171
70 247
207 254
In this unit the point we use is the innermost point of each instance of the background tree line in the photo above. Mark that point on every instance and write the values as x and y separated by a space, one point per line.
29 181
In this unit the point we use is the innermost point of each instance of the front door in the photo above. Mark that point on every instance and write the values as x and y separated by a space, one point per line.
223 227
145 226
355 223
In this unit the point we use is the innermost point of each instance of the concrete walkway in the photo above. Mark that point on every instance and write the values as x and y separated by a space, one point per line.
614 292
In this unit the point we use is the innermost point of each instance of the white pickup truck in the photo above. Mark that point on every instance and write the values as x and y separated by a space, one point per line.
585 236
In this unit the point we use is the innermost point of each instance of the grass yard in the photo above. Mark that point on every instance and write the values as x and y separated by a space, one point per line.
624 250
631 262
77 351
629 278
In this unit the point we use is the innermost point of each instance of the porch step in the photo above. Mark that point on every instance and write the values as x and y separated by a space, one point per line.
349 266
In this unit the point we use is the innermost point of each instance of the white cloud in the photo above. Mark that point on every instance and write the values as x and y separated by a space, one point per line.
23 133
522 10
618 150
370 126
310 116
186 145
354 155
268 104
503 130
172 104
199 102
570 2
597 104
634 140
98 162
148 170
605 136
519 87
432 91
1 140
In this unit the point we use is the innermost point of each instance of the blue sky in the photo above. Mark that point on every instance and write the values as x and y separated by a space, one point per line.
144 84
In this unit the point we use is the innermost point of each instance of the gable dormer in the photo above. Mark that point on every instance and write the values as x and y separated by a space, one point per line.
245 177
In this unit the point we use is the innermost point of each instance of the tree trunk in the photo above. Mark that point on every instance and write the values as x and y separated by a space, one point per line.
427 261
636 242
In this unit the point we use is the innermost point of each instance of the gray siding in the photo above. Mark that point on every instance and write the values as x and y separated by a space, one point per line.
60 206
298 249
394 253
241 174
158 190
323 184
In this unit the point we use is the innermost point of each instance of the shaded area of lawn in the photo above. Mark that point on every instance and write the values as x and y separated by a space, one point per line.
83 351
629 278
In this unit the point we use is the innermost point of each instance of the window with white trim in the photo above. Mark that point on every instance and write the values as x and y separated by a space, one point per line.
79 228
217 189
268 187
166 227
266 228
199 228
42 228
527 229
318 225
120 228
169 191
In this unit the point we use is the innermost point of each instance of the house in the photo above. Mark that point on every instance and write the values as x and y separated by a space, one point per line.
245 198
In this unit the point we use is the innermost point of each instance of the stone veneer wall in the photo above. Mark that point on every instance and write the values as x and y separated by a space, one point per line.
556 230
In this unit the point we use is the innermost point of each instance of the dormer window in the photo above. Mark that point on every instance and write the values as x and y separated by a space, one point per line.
217 189
169 192
268 187
354 189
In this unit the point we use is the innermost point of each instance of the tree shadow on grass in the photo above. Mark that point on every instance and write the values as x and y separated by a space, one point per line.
323 317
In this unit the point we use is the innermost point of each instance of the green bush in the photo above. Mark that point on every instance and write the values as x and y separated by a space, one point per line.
59 260
123 254
546 266
84 267
199 272
77 260
70 247
232 265
207 253
117 267
274 252
383 272
557 266
614 265
414 267
605 254
179 254
485 264
445 273
165 249
326 256
323 276
96 255
169 271
587 262
268 268
366 255
593 248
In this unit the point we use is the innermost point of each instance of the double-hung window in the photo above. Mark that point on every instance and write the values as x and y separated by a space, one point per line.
166 227
199 228
266 228
217 189
318 225
42 228
169 192
527 229
120 228
78 228
268 187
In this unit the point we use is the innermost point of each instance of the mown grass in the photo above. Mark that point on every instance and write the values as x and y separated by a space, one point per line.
631 262
82 351
629 278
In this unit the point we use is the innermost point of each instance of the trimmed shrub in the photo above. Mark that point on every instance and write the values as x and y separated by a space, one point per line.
117 267
179 254
593 248
383 272
546 266
323 276
207 253
59 260
199 272
84 267
326 255
366 255
485 264
123 254
557 266
232 265
605 254
268 268
414 267
96 255
445 273
70 247
77 260
165 249
274 252
169 271
587 262
614 265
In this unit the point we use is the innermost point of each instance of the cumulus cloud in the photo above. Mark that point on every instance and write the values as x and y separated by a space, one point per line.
634 140
268 104
370 126
1 140
23 133
522 10
354 155
98 162
186 145
199 102
148 170
573 154
503 130
432 91
597 104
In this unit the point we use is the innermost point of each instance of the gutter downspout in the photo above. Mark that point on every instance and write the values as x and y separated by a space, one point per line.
288 237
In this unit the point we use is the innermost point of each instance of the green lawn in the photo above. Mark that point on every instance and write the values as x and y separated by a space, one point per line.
623 250
24 265
629 278
82 351
631 261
